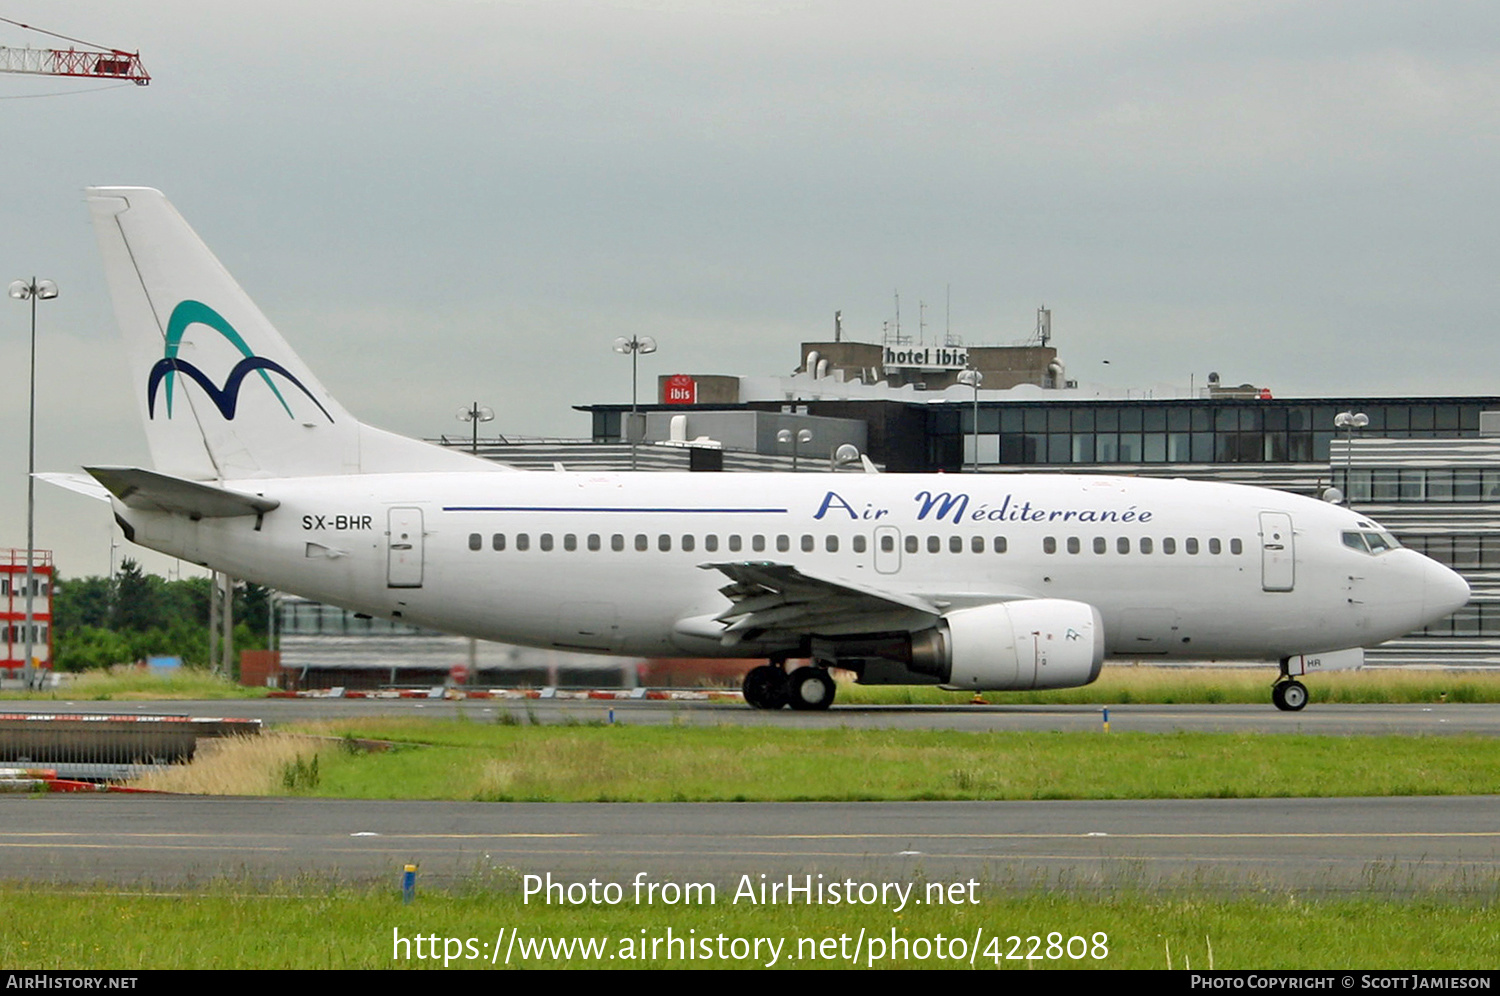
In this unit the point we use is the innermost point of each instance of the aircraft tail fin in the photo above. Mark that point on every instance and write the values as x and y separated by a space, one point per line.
221 393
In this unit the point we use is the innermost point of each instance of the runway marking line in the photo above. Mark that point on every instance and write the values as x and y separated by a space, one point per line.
7 838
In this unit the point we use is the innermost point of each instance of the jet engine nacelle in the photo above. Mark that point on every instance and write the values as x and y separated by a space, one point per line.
1036 643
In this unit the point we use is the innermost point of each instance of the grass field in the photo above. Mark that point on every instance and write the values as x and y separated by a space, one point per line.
467 760
127 684
324 924
1126 683
313 925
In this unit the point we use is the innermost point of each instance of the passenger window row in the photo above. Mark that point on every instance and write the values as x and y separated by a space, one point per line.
734 543
1146 544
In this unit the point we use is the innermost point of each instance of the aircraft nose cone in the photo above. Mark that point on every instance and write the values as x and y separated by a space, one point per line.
1443 592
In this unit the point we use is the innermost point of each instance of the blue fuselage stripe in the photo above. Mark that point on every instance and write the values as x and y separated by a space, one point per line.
578 508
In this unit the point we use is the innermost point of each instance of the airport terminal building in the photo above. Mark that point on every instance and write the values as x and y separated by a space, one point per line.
1426 468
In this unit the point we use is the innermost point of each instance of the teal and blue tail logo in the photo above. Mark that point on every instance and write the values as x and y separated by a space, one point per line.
226 399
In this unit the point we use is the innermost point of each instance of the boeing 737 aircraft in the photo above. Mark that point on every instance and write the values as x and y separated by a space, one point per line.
1004 581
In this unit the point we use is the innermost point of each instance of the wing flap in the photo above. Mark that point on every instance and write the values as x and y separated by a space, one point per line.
770 600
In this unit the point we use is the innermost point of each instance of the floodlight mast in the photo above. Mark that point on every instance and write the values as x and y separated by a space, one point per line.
634 347
35 290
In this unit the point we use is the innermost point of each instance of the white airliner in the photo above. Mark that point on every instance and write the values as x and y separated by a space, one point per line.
972 582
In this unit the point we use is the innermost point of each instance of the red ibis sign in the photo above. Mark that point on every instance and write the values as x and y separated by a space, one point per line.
680 389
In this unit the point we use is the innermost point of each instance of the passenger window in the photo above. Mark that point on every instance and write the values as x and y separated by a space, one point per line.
1169 545
617 542
688 543
1122 544
808 543
711 542
1236 547
976 544
1190 545
955 544
1000 544
1049 544
859 543
1100 544
570 542
735 544
1146 544
664 543
783 543
912 544
593 541
758 543
497 541
476 541
934 544
1073 545
546 542
642 542
523 541
831 544
1215 547
888 544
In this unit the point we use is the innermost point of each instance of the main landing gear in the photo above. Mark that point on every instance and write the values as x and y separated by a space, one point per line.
806 688
1288 694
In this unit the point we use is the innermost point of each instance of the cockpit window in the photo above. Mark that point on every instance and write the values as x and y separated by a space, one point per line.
1370 542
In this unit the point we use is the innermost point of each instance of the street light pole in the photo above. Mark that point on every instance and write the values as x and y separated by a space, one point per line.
1349 421
973 378
44 290
635 346
476 413
796 439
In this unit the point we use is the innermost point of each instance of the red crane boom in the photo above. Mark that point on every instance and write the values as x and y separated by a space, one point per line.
93 62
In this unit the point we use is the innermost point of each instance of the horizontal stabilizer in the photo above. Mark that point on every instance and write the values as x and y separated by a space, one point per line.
78 484
150 491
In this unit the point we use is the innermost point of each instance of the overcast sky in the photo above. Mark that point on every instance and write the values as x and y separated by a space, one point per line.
453 201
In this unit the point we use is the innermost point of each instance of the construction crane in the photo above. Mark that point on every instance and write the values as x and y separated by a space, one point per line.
93 62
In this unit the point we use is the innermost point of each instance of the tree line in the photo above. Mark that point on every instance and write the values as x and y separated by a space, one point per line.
99 621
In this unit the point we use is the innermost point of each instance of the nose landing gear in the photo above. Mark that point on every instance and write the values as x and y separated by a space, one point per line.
1288 694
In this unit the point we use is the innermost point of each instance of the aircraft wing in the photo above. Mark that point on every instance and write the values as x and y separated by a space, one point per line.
771 600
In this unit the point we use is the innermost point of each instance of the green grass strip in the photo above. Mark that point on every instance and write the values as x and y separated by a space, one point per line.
490 762
342 927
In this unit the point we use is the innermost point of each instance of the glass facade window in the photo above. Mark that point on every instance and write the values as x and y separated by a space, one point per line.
1228 431
1417 484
